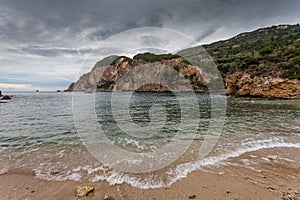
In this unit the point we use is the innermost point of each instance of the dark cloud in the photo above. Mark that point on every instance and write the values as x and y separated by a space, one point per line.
47 52
154 41
39 21
55 28
206 33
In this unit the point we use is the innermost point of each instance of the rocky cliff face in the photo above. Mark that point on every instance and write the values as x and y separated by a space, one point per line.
70 88
160 76
242 85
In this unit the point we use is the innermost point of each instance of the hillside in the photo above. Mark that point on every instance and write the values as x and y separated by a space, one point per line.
273 51
261 64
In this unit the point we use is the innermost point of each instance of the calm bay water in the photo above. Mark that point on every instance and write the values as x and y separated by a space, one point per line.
37 132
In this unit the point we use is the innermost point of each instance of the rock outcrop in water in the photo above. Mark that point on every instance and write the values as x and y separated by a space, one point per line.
243 85
107 75
4 97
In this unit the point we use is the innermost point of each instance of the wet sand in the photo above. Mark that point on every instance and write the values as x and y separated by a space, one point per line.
250 176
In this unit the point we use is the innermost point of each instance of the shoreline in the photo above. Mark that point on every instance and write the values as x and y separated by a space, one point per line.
249 176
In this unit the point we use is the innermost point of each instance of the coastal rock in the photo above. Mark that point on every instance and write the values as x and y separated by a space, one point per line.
243 85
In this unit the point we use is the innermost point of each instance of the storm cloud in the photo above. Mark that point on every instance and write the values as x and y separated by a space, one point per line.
60 34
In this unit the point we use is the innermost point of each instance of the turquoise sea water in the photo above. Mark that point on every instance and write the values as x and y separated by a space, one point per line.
38 132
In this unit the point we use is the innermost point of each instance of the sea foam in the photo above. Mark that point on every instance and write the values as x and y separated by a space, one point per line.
181 171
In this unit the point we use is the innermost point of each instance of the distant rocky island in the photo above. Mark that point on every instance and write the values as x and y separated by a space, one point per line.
261 64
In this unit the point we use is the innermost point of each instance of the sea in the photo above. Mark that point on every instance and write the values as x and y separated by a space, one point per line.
147 140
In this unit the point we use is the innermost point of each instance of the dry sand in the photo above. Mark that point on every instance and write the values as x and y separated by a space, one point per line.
249 176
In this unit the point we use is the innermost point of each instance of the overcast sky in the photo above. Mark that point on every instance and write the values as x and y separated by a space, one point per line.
44 42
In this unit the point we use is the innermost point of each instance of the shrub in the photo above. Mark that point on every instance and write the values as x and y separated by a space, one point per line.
293 73
267 50
298 51
296 59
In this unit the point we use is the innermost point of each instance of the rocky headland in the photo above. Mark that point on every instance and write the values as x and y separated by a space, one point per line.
262 64
160 72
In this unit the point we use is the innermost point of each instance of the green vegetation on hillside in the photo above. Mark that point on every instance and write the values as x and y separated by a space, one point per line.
271 51
150 57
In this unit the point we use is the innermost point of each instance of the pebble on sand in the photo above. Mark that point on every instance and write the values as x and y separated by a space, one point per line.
108 198
84 190
192 196
272 157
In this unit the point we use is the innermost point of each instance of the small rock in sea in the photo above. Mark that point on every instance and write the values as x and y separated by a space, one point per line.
84 190
108 198
6 97
272 157
192 196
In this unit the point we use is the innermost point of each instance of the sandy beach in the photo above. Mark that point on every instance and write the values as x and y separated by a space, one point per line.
252 175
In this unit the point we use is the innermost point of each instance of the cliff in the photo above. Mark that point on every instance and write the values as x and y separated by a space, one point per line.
243 85
107 75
